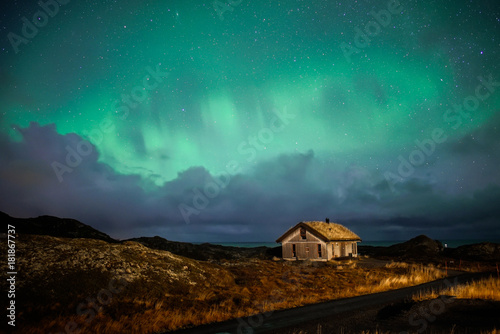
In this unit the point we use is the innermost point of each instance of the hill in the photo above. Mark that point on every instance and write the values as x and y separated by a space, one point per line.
68 285
486 251
425 249
420 247
80 282
71 228
65 284
56 227
206 251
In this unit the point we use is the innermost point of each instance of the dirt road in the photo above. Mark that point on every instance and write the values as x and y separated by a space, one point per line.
272 321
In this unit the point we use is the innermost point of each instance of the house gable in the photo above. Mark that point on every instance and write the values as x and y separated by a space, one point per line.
302 234
323 231
294 234
318 241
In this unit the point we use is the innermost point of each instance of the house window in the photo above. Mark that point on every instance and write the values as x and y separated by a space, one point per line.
319 251
294 252
302 233
307 251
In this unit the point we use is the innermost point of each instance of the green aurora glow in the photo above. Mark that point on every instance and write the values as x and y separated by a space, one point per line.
228 78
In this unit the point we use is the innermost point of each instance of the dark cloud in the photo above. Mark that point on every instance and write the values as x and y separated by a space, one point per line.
257 205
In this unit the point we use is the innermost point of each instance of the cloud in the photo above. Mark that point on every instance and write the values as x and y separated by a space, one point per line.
258 205
463 217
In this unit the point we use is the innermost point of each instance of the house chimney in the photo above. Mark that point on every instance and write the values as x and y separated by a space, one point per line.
327 220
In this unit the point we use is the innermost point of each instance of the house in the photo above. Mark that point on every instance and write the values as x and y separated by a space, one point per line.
318 241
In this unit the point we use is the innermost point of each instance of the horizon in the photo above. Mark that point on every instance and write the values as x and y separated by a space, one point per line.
198 122
387 242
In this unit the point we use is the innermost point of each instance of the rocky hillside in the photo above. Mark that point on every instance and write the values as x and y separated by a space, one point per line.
99 287
206 251
106 286
40 256
54 226
73 277
420 246
71 228
423 248
416 248
487 251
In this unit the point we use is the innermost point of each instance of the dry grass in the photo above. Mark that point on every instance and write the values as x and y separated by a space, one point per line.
415 274
409 274
230 290
259 286
488 288
393 264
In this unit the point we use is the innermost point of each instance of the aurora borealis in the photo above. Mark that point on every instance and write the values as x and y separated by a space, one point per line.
232 121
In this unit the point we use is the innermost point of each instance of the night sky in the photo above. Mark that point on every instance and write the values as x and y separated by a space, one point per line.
234 120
